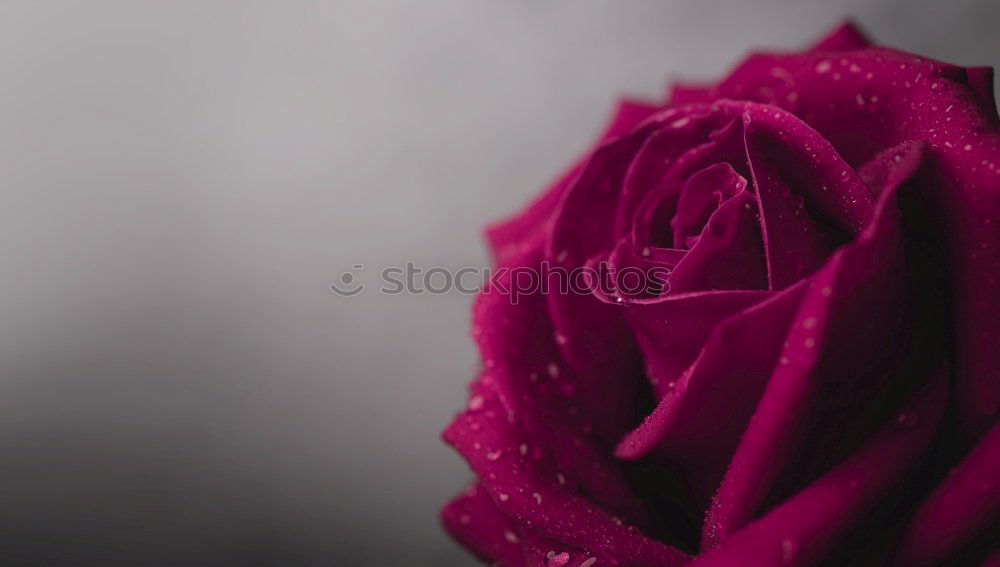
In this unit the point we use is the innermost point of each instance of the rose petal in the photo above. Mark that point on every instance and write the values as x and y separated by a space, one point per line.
542 552
703 193
793 244
845 37
805 528
687 93
728 254
727 379
965 505
672 332
537 390
598 343
528 491
675 132
474 520
835 356
533 221
867 100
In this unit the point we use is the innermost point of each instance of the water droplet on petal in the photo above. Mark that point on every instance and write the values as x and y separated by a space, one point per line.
787 551
476 402
907 419
511 536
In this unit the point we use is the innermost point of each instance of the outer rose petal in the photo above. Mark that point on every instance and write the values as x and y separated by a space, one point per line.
516 343
846 37
528 490
964 506
473 520
804 529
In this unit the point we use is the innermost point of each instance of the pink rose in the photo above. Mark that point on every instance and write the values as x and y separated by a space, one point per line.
818 381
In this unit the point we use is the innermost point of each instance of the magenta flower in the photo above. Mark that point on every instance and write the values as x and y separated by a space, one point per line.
817 381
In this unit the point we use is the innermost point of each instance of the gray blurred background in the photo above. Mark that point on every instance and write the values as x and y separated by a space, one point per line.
180 182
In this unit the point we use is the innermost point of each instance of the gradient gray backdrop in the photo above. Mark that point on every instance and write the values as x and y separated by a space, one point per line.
181 181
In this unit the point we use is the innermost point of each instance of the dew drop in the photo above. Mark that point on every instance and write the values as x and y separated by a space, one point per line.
589 562
787 551
476 402
511 536
557 559
503 497
537 497
907 419
493 455
823 66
